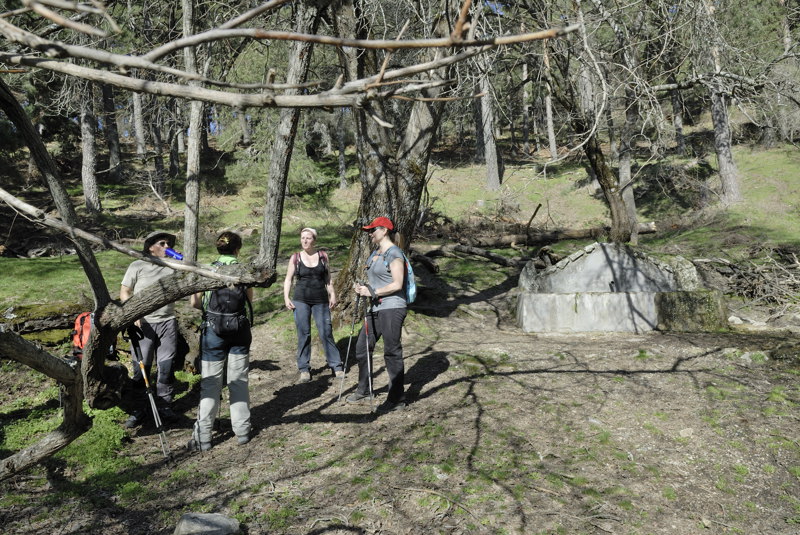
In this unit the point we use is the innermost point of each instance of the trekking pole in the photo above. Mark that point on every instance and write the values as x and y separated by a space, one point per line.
369 362
135 334
349 343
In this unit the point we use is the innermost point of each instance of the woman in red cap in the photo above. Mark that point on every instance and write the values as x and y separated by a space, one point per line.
385 292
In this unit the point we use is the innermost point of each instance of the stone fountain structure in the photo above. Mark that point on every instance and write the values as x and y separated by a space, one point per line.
613 287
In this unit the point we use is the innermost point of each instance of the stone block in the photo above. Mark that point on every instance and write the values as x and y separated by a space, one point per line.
697 311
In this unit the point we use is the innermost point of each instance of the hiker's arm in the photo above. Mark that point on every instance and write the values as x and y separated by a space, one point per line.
125 293
331 293
287 285
250 294
396 268
196 300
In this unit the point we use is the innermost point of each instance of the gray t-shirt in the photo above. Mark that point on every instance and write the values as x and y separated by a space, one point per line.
379 275
140 275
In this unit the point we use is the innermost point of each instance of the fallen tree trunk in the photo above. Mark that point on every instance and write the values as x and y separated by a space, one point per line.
424 255
546 236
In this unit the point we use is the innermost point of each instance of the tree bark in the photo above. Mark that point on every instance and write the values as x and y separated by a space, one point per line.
728 174
75 421
92 365
625 157
677 119
91 193
392 175
245 139
548 105
492 154
620 223
526 112
340 141
191 212
138 125
307 18
111 133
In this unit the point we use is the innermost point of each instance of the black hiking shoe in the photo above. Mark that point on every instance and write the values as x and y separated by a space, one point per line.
357 397
389 406
134 420
167 414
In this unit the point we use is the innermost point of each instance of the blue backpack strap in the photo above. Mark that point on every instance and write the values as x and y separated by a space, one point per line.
402 255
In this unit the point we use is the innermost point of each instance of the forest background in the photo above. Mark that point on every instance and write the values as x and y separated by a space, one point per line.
682 113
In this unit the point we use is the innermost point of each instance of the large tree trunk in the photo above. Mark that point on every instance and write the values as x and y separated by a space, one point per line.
526 112
392 179
677 118
477 114
111 133
245 139
728 174
620 222
191 212
91 193
75 421
92 365
340 142
625 157
548 105
192 208
138 125
307 19
159 175
491 153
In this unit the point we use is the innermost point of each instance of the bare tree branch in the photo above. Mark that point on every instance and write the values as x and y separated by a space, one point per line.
39 216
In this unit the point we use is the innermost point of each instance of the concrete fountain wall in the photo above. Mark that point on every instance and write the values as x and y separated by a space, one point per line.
611 287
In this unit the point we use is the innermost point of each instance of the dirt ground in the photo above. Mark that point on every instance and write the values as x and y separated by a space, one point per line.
505 433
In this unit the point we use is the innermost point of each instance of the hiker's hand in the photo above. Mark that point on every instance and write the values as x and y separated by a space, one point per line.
289 304
363 290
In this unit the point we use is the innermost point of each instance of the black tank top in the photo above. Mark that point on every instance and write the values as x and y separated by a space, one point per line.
310 287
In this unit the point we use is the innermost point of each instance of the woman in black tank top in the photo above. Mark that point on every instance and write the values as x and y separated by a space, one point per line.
313 295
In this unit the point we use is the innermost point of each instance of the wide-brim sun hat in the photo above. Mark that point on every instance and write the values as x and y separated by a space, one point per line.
154 236
379 222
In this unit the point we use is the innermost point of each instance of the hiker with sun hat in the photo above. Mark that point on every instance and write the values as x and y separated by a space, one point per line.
159 328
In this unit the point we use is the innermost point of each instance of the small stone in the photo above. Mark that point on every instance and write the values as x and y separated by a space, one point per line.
206 524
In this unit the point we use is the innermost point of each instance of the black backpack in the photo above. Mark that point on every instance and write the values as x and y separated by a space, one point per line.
227 310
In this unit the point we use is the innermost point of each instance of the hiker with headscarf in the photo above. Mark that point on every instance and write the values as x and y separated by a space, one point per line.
313 295
386 312
159 328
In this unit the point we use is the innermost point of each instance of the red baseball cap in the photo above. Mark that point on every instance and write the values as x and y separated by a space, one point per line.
380 222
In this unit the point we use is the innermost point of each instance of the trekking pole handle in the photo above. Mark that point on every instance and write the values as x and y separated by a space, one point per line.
144 375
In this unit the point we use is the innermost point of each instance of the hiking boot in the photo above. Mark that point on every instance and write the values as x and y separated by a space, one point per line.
243 439
357 397
304 377
167 414
390 406
339 374
134 420
194 445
